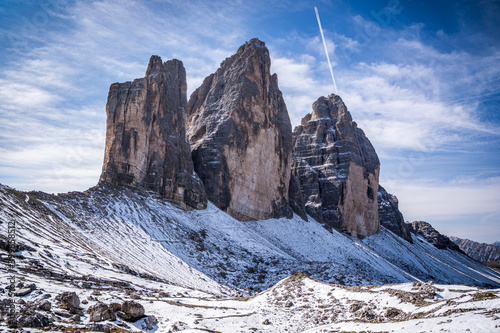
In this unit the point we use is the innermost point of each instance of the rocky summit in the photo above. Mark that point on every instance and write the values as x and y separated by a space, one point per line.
337 168
146 143
241 137
433 236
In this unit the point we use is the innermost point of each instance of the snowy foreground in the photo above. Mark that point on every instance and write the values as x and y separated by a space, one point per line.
297 304
204 271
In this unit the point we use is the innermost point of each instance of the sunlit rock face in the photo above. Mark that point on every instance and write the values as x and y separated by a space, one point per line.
146 144
241 137
337 168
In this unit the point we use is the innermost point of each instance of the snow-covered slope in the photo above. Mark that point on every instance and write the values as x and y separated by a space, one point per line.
65 240
189 269
123 231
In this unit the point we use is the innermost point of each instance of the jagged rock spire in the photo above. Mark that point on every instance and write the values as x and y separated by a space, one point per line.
241 137
337 168
146 143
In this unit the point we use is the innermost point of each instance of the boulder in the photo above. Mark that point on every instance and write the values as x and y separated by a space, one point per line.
115 307
146 143
100 312
22 292
241 137
68 300
131 311
149 323
45 305
337 168
33 320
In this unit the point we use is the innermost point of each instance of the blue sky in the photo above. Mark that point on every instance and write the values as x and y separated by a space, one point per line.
421 78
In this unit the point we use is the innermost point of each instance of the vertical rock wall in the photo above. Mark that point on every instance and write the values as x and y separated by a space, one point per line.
241 137
146 143
337 168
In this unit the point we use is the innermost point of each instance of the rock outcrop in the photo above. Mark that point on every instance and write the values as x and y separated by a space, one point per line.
146 143
480 251
338 169
240 135
426 230
390 216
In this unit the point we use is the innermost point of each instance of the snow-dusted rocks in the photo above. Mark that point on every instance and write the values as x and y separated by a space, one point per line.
100 312
146 143
131 311
390 216
240 135
338 169
433 236
68 300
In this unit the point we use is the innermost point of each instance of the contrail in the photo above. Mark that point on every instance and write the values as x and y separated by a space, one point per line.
326 50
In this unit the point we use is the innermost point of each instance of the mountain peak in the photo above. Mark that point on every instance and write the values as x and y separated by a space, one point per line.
338 169
146 135
329 107
155 65
240 134
253 43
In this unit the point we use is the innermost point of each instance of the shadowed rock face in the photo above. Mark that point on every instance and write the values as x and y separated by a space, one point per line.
146 144
390 216
337 168
241 137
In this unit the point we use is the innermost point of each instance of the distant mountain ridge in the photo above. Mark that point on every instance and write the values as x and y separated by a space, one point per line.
482 252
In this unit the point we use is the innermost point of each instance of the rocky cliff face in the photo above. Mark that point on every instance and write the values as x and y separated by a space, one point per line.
390 216
337 168
240 135
480 251
146 143
432 235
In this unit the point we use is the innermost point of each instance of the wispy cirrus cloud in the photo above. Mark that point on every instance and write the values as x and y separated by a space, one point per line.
423 102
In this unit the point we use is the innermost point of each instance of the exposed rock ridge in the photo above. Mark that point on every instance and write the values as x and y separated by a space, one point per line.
338 169
480 251
426 230
146 144
390 216
241 137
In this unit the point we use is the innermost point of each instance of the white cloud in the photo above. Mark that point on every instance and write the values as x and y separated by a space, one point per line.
466 207
298 84
434 198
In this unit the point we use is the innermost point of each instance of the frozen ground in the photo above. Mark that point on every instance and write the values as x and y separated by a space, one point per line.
204 270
